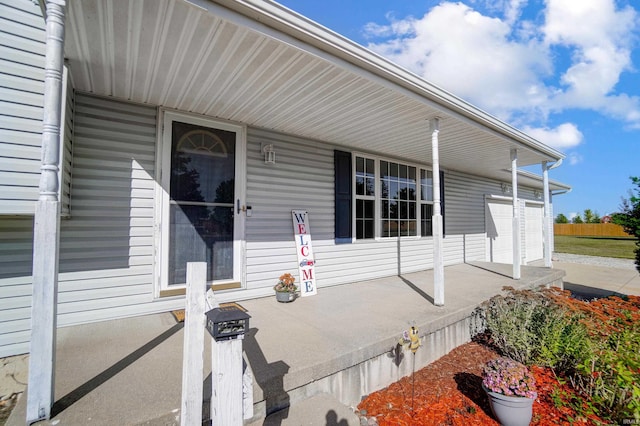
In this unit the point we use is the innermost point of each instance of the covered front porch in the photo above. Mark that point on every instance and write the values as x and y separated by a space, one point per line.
338 342
255 66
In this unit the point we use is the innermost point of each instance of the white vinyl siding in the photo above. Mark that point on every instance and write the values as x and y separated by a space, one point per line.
107 246
66 148
465 234
302 178
22 34
16 252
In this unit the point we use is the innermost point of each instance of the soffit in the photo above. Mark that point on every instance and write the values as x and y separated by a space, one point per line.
176 55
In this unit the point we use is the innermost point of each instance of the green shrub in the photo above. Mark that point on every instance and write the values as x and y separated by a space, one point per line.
562 340
596 345
530 328
610 375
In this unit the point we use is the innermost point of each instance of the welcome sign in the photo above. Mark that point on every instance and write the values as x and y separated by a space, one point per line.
306 261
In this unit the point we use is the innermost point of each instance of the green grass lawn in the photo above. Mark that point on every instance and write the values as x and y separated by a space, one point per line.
620 247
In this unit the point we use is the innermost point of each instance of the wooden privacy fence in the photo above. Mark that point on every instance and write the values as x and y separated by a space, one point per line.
589 229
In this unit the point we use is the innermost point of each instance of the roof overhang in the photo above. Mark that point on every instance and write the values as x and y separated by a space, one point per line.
532 180
258 63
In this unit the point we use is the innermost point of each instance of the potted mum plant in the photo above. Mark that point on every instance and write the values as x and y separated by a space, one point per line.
286 289
511 389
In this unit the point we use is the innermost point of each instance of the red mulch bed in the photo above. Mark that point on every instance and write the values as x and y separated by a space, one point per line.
448 392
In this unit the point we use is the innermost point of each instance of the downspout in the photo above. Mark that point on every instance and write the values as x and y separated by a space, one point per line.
515 220
547 230
438 256
46 228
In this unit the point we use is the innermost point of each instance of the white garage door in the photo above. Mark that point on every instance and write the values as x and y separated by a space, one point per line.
499 246
534 242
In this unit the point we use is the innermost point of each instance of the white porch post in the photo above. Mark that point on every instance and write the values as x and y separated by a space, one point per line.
547 231
438 261
46 226
516 215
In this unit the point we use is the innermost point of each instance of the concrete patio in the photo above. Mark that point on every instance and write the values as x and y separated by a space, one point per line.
322 352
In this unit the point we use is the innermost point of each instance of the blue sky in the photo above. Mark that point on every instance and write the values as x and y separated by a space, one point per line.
566 72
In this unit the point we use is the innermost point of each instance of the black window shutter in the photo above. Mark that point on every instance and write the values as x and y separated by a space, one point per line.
343 215
442 201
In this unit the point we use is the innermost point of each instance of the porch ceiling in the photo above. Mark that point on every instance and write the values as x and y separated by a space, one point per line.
255 62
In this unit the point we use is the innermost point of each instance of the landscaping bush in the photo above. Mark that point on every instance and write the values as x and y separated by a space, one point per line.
531 328
610 372
595 345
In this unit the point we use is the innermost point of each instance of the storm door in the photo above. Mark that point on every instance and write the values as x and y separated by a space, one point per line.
202 195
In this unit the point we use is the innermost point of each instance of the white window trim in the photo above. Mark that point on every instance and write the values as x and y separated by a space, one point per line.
377 217
162 181
374 197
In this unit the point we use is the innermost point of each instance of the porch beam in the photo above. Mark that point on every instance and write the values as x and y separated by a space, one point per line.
438 257
547 230
516 215
46 237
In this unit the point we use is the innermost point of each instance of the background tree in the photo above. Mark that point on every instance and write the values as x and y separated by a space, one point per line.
588 216
629 217
591 217
577 219
561 218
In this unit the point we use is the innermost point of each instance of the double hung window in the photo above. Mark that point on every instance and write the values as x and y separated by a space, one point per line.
426 202
391 199
365 197
398 200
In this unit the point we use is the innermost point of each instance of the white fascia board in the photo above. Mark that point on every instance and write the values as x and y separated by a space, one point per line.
276 21
553 184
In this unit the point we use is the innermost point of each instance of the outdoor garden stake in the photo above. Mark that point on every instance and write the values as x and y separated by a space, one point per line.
410 338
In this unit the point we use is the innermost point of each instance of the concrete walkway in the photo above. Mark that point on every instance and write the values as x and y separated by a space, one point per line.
128 372
599 281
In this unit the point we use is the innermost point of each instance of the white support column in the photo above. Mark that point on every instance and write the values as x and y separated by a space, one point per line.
547 230
517 256
40 393
193 349
438 260
226 382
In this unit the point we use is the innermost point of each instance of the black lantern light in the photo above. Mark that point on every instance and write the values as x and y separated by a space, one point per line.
227 322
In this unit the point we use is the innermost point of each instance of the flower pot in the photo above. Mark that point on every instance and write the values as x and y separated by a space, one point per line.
510 410
285 296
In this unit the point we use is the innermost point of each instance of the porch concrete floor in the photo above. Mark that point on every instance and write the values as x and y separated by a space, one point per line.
128 371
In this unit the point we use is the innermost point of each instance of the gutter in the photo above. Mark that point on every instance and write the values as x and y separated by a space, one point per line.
560 191
275 16
556 164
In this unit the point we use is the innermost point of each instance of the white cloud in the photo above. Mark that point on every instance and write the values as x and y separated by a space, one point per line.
599 36
563 136
511 9
470 55
574 158
505 65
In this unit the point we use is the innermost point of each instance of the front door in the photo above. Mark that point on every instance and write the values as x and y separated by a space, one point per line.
201 195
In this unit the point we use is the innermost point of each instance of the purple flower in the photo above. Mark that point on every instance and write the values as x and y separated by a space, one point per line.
508 377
